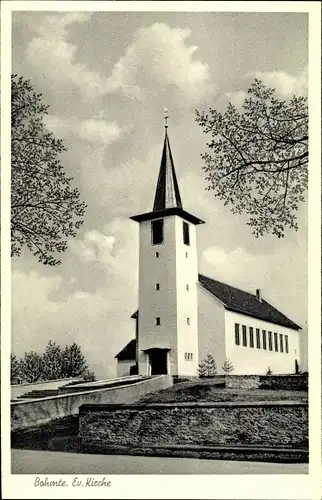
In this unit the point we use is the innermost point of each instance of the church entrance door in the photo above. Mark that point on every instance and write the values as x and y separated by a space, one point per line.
158 359
158 362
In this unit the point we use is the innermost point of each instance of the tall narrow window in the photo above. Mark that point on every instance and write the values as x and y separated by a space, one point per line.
157 255
281 343
270 342
258 339
251 336
244 335
237 339
157 321
275 342
286 343
186 237
188 321
264 339
157 286
187 288
157 231
186 254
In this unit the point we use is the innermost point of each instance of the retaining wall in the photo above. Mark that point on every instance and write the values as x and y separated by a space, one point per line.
280 382
33 412
284 382
20 389
104 428
242 381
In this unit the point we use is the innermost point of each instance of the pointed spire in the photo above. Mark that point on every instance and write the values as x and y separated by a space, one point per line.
167 193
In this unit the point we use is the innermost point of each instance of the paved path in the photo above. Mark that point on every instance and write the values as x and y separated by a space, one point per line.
49 462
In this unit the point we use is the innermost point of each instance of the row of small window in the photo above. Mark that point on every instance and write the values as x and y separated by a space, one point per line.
157 255
157 232
188 356
158 321
157 287
264 340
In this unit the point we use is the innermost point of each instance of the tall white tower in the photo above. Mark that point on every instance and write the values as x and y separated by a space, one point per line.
168 276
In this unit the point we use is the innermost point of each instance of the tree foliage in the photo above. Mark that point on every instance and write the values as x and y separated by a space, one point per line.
15 369
45 209
31 367
228 367
257 158
73 361
53 362
207 368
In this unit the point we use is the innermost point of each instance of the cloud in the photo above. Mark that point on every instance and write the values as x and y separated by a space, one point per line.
267 271
55 58
159 55
95 246
95 131
286 85
236 98
98 320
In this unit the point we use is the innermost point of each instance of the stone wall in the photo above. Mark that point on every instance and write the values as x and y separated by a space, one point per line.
284 382
242 381
268 424
280 382
33 412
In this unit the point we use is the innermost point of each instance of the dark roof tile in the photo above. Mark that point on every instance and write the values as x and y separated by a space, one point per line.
128 352
245 303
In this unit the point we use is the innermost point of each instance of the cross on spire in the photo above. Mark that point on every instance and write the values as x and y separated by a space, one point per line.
166 116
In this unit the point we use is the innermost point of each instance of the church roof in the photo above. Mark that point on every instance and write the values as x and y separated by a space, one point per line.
242 302
128 352
167 193
167 199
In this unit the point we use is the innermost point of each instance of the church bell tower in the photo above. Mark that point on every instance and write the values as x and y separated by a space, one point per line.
168 276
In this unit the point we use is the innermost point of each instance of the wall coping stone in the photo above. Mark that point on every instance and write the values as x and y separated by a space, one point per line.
77 393
97 407
27 384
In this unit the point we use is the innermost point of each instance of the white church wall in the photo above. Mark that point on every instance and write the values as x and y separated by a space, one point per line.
187 305
211 328
123 367
157 303
248 360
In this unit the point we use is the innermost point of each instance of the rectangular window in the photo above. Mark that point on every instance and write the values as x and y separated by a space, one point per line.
281 343
251 336
275 342
264 339
186 254
237 339
186 237
188 321
187 288
157 321
270 341
244 335
286 343
157 231
157 255
157 286
258 339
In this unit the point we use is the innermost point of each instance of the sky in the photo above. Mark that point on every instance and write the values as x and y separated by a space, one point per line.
107 77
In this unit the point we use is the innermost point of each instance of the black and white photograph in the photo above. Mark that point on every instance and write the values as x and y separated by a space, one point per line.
161 245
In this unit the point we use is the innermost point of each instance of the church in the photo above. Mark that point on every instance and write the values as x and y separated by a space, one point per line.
183 316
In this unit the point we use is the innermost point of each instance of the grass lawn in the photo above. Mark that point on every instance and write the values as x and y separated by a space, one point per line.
207 390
